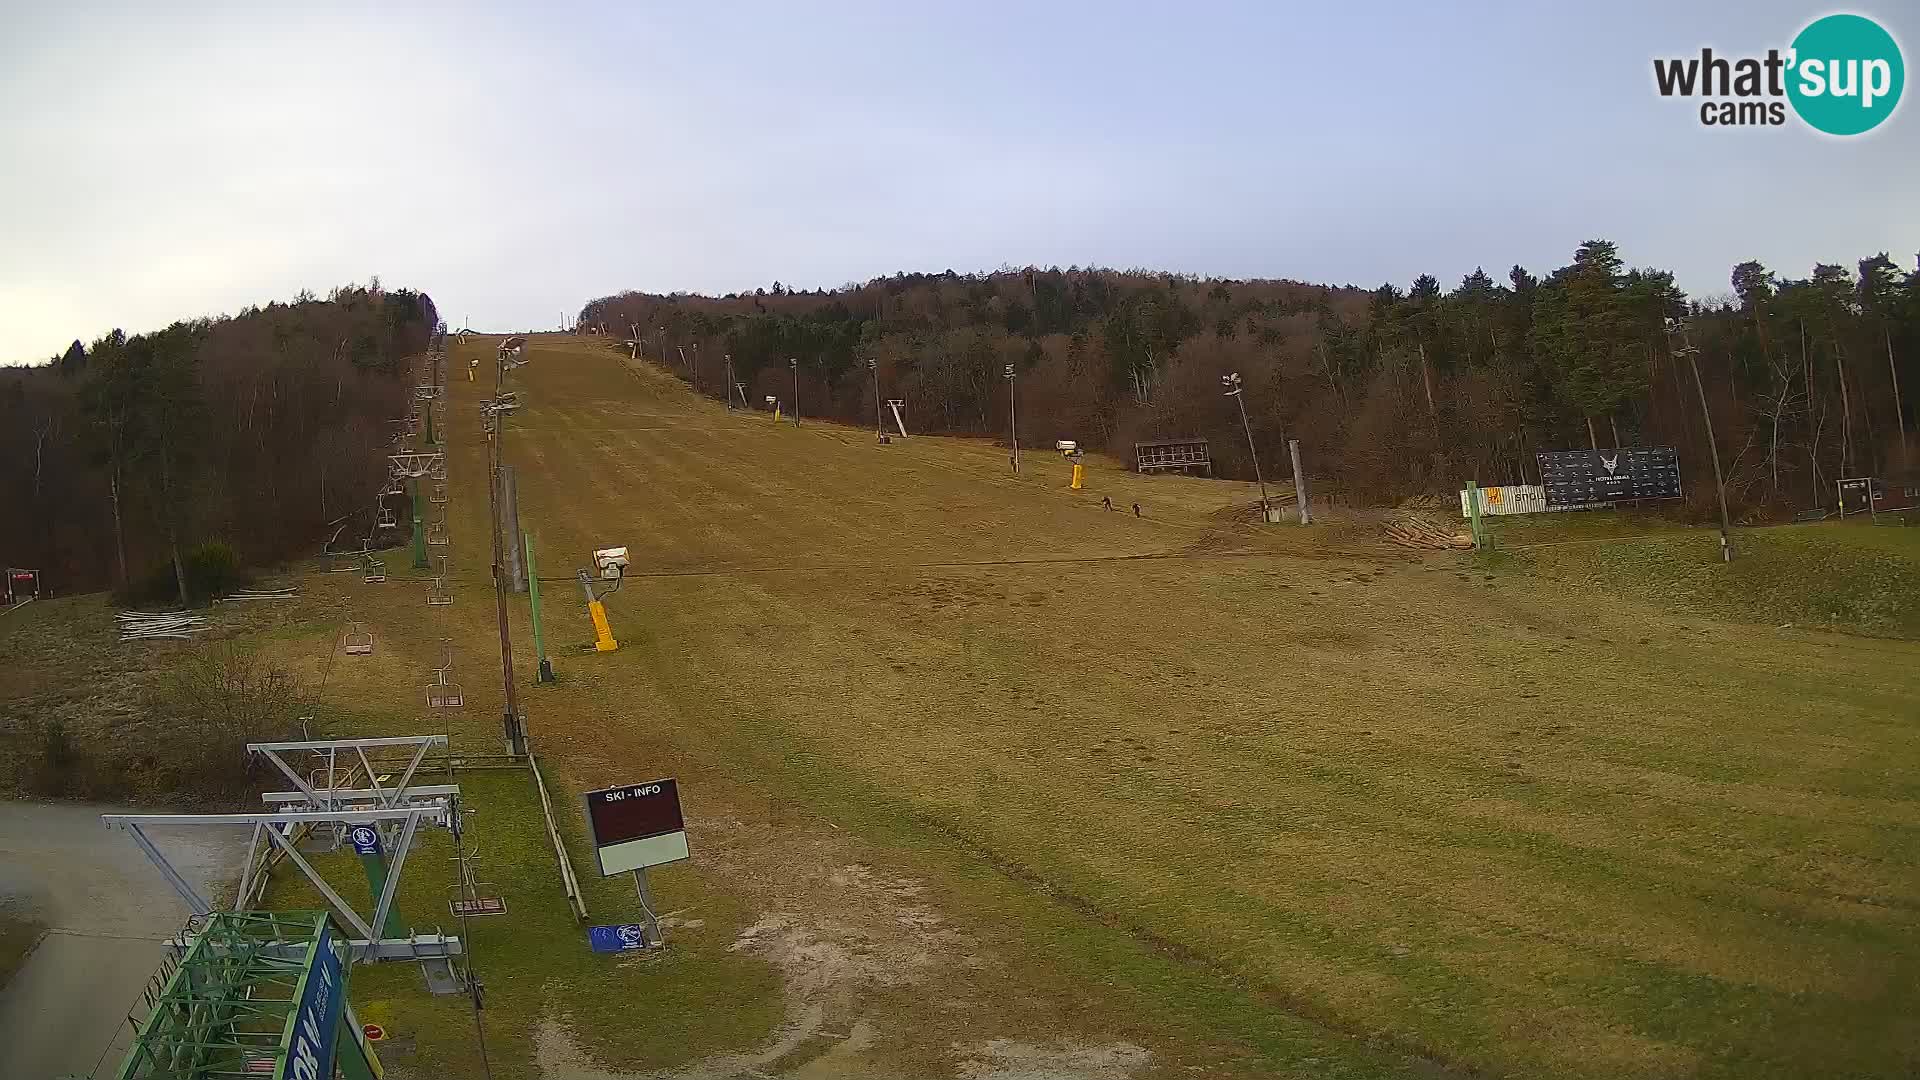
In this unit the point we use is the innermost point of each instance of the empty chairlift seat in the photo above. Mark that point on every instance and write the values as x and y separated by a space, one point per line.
441 594
443 692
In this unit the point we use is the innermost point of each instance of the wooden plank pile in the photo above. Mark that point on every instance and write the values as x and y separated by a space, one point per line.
1419 531
149 625
287 593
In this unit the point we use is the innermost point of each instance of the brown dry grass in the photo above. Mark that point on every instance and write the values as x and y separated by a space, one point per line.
1262 800
1510 827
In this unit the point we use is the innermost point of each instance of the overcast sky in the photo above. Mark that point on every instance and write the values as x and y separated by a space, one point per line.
516 163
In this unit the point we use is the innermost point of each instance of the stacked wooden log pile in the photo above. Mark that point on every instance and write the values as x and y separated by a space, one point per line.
1420 531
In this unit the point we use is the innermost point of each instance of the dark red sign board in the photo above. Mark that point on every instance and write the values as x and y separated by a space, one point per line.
634 812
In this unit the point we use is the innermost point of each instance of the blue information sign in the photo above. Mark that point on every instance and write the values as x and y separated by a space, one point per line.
310 1054
365 838
623 938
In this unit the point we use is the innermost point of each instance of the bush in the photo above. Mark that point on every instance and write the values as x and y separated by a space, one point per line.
48 759
212 569
200 717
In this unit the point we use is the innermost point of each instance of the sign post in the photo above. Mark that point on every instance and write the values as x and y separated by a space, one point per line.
634 827
19 586
373 860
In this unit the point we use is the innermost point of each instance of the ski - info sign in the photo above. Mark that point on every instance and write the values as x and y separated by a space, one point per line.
636 826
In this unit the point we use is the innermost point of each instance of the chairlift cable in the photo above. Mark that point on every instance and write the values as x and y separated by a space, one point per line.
466 938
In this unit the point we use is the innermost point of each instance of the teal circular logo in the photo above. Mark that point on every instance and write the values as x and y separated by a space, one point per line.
1846 76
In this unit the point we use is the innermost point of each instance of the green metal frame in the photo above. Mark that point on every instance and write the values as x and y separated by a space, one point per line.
228 1004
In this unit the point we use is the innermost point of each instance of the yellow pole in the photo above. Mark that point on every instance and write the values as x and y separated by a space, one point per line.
603 634
1076 476
776 412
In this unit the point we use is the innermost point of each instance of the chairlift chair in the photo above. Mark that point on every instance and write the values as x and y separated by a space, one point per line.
357 641
441 595
470 888
437 532
443 692
376 571
439 493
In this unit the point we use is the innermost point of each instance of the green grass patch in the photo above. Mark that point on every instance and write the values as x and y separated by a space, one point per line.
652 1011
1845 576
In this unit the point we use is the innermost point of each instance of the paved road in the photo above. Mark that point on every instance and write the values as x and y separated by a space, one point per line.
107 911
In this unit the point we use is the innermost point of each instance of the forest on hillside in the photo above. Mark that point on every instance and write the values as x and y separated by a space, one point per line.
254 431
1392 392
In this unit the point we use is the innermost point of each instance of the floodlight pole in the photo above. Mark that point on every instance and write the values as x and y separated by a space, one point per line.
696 367
727 391
1690 351
794 363
874 366
1013 418
1231 381
510 720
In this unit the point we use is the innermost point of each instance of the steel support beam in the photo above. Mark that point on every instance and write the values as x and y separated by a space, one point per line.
329 744
187 892
343 796
340 906
393 872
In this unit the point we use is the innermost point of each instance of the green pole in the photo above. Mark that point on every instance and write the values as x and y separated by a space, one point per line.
419 527
375 865
1481 541
545 675
349 1055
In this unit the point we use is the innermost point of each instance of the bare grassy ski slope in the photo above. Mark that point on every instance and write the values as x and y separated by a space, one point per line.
1258 802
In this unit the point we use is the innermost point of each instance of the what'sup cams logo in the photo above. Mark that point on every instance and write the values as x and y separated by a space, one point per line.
1842 75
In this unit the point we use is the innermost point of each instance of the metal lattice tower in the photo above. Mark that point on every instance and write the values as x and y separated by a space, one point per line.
228 1007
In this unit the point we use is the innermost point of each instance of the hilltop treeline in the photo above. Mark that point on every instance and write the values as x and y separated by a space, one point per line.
1392 391
119 457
